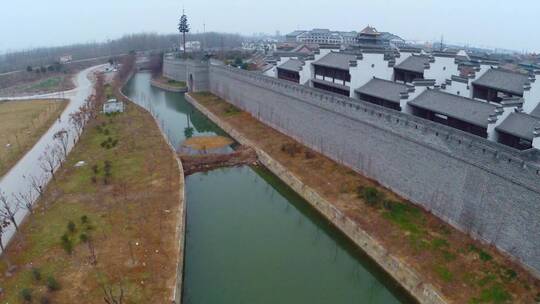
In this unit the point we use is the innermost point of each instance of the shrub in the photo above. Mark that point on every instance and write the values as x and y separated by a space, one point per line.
371 195
67 244
44 300
94 179
291 148
83 237
36 274
71 226
26 294
52 284
95 169
84 219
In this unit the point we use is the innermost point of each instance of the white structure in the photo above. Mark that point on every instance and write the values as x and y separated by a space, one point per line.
113 106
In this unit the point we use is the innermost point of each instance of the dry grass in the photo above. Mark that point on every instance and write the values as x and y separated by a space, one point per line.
132 219
207 142
22 123
464 270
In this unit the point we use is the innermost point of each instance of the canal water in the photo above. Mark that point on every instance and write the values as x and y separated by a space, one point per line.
250 238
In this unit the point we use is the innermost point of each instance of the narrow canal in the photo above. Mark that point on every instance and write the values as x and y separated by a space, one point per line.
251 239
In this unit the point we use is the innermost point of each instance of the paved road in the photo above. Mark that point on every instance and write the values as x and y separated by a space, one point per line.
17 180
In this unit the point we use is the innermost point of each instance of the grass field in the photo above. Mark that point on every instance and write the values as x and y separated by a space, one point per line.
109 224
22 123
464 270
47 84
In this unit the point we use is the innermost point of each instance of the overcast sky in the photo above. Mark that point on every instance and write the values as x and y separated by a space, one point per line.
493 23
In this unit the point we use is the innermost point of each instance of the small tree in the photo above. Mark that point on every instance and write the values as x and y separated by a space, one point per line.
183 27
8 210
26 199
62 137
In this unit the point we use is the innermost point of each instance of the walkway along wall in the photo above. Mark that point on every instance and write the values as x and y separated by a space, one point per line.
481 187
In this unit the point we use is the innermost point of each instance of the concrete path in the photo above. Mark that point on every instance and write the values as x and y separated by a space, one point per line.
18 178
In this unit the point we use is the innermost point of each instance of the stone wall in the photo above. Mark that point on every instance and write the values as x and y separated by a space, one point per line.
486 189
193 73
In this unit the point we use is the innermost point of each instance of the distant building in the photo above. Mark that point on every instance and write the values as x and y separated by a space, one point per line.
113 106
65 59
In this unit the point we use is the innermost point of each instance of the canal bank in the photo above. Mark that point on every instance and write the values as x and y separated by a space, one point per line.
402 273
250 238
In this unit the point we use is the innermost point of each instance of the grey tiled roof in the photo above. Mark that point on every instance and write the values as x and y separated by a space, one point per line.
385 89
519 124
336 60
499 79
293 65
462 108
413 63
536 111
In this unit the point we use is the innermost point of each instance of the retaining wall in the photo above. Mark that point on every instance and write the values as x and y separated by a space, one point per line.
400 271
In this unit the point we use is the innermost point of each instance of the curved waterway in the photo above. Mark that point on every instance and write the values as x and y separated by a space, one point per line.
251 239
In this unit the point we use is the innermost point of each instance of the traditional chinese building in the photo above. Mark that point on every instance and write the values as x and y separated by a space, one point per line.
496 84
411 68
459 112
518 130
331 73
290 70
383 92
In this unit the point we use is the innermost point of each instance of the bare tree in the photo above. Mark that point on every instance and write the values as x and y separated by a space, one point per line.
62 138
50 160
26 199
37 183
8 210
4 224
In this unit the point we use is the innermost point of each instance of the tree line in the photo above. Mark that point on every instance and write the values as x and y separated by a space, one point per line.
45 56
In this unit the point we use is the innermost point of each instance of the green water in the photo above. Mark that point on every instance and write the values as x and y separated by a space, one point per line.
251 239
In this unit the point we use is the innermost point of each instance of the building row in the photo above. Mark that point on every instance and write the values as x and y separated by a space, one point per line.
326 37
469 94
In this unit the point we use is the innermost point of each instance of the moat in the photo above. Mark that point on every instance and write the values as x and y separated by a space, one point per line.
250 238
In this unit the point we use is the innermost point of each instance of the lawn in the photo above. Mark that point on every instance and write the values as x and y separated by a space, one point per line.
109 225
463 269
22 123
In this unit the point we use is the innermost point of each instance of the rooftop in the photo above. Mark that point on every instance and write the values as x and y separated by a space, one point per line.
507 81
462 108
336 60
519 124
293 65
414 63
536 111
385 89
370 31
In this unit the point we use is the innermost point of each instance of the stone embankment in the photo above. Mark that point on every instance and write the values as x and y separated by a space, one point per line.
422 291
206 162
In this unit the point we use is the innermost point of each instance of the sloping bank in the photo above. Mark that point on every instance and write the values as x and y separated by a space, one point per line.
422 291
181 220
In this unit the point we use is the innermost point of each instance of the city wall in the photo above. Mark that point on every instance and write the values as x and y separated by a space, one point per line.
481 187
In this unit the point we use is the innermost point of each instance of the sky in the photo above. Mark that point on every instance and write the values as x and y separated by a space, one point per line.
490 23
